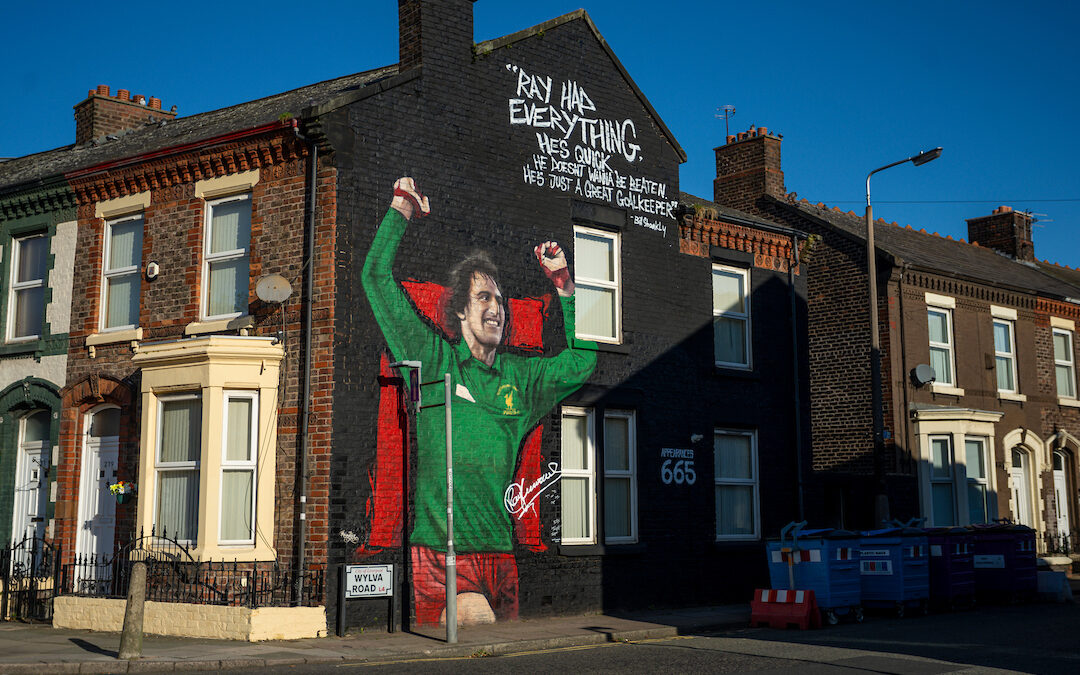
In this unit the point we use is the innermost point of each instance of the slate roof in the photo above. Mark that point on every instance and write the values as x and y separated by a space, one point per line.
727 213
945 255
182 130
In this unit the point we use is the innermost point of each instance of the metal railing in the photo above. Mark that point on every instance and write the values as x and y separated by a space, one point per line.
1064 543
29 577
174 575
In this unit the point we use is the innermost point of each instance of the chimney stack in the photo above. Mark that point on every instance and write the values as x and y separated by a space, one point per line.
434 33
748 168
1006 231
102 114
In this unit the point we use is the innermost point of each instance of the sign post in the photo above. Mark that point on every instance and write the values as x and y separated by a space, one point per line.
364 581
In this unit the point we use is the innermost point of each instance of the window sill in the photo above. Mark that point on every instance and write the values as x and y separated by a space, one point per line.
1069 402
23 347
609 347
581 550
240 323
111 337
1006 396
946 389
734 371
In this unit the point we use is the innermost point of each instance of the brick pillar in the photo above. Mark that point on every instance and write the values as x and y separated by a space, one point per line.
747 168
1004 230
101 114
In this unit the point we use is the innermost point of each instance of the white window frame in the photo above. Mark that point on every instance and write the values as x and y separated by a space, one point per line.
16 286
250 465
210 259
1010 355
616 285
629 474
753 481
1070 362
160 466
109 274
947 346
744 275
588 473
984 480
950 480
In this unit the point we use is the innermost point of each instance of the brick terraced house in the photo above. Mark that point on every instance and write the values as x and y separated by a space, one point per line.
627 380
994 432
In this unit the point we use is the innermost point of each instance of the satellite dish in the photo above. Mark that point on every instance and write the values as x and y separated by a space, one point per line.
273 288
922 374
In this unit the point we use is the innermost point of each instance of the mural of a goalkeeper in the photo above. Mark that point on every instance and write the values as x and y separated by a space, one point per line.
499 397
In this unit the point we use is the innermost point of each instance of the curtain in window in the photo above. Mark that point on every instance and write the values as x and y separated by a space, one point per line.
575 508
178 504
595 311
181 428
727 293
122 303
32 253
616 444
733 456
238 434
729 337
231 226
236 493
1063 370
594 256
735 509
125 247
1003 364
29 311
228 286
617 507
574 446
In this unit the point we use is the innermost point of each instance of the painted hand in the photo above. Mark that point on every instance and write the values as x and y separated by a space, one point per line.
553 262
407 199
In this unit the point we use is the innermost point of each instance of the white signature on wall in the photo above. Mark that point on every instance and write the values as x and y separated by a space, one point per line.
520 498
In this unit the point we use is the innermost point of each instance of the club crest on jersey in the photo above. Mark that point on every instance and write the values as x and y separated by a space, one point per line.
508 394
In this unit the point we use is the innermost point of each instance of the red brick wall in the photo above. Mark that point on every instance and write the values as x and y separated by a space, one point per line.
173 237
747 167
101 114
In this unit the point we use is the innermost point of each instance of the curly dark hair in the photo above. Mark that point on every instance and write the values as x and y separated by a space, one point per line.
461 276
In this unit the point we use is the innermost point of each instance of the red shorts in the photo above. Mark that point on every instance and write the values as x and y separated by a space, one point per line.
493 575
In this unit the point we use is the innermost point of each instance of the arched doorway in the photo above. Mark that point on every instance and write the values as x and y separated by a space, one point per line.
34 454
97 505
1020 485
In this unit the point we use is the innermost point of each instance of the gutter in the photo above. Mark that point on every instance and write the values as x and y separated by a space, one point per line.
305 389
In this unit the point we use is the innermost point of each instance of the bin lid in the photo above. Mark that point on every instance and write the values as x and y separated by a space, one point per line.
829 533
884 532
948 531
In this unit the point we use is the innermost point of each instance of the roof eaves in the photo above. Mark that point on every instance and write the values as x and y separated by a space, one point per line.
796 208
736 217
368 90
489 46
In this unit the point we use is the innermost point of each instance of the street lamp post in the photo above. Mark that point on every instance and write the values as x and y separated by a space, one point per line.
881 501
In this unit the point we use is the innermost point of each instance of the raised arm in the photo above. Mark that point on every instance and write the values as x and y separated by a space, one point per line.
406 333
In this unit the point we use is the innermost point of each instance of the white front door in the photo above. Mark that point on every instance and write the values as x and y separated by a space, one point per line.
31 477
1061 495
97 505
1020 485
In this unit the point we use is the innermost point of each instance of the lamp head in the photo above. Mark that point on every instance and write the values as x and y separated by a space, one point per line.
928 156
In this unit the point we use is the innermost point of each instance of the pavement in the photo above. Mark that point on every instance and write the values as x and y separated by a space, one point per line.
30 648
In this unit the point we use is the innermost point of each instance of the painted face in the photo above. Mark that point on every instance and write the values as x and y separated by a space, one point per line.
484 315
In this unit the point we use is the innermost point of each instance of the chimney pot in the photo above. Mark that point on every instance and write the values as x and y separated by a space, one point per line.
123 94
91 92
732 138
155 103
763 131
103 90
140 99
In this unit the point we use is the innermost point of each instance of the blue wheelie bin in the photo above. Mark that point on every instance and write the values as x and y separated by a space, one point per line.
952 570
1004 563
825 561
894 569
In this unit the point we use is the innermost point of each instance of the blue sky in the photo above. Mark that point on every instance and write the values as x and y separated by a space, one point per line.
851 85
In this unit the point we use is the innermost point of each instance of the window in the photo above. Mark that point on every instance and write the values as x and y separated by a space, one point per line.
226 256
120 272
1004 355
576 483
736 477
26 302
941 481
1064 366
941 344
597 280
731 317
239 446
980 508
620 486
179 449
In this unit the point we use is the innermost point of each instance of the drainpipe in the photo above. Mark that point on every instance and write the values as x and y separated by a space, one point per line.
305 389
795 376
905 377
